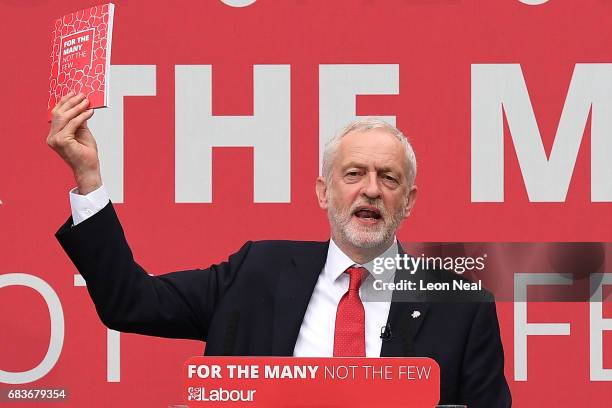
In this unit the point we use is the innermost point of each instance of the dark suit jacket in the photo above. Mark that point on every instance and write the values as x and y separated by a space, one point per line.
254 304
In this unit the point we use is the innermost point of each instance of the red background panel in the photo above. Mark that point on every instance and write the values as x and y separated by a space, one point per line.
434 42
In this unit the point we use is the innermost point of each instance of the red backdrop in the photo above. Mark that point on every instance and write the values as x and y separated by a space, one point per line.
434 44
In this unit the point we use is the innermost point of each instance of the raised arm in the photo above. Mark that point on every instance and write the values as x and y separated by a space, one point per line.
127 298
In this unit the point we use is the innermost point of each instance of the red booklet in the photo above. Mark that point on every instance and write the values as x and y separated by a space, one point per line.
80 60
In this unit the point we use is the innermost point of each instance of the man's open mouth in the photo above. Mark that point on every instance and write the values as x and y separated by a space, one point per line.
369 214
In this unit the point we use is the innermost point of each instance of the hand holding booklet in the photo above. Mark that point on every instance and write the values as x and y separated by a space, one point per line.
80 57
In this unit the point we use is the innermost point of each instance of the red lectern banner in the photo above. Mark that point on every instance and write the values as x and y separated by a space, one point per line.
311 382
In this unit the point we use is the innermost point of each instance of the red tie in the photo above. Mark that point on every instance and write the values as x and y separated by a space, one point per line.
349 337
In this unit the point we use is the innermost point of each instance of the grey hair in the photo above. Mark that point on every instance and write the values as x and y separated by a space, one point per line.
365 124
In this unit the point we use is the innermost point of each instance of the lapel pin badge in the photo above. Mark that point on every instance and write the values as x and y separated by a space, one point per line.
416 314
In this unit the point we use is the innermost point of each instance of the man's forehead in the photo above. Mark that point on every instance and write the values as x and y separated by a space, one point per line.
375 146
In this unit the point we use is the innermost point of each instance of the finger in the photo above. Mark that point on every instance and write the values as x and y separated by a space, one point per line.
65 98
62 101
70 103
60 117
74 123
76 110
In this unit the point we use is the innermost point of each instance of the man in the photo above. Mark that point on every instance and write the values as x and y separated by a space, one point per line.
284 297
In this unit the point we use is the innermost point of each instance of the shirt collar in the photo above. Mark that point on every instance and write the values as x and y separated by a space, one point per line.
337 261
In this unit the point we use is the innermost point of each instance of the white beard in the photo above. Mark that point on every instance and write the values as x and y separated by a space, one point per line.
349 230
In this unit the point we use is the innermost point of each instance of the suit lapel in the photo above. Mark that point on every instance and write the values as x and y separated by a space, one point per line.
407 313
295 287
405 323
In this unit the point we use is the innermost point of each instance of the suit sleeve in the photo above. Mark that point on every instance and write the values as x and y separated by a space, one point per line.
175 305
483 381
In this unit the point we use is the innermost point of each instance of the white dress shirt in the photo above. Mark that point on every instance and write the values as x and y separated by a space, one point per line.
84 206
316 337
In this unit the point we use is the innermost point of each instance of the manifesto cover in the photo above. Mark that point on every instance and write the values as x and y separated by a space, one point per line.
80 60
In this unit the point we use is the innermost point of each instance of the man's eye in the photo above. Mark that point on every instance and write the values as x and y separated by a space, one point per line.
352 173
389 178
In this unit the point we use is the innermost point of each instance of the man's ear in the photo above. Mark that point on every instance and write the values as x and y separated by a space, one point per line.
412 196
321 190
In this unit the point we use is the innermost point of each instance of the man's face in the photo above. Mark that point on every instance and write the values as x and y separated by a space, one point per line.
367 196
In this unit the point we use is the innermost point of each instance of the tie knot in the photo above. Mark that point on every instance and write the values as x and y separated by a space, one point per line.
357 275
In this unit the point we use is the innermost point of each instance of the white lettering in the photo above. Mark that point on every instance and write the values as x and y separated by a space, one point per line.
107 124
113 346
522 329
597 326
268 131
338 86
56 315
499 89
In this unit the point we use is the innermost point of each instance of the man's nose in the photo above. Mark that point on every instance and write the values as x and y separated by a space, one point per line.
371 188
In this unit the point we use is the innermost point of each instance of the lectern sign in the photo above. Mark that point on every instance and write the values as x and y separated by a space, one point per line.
310 382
